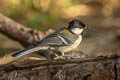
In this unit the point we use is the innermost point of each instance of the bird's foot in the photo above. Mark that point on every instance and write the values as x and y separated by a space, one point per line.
66 57
59 56
71 57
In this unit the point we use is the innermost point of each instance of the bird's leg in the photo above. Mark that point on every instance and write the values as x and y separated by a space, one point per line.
69 56
56 55
62 56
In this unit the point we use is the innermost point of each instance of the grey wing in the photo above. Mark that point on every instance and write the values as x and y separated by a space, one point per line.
52 40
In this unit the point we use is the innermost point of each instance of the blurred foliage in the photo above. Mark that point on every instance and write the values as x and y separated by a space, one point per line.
44 14
26 12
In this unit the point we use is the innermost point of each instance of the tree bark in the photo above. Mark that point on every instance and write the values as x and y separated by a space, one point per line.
24 35
101 68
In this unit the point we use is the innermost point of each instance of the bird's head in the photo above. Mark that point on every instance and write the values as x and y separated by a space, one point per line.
77 27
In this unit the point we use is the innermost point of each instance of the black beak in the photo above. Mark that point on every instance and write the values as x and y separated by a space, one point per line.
86 27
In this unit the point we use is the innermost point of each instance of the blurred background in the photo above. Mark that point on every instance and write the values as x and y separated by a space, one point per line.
103 16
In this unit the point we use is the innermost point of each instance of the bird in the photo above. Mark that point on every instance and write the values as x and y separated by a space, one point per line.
61 41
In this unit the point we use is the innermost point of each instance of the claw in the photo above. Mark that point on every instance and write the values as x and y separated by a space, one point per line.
66 57
60 57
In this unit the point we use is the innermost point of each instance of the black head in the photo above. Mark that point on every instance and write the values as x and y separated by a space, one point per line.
76 24
77 27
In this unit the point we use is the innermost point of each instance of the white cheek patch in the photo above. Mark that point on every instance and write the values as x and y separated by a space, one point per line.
77 31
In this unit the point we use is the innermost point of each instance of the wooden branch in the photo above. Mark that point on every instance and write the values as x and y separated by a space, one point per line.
24 35
101 68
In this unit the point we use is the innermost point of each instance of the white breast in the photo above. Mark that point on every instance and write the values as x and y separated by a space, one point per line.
77 31
73 46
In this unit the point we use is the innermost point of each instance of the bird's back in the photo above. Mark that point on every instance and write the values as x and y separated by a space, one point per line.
62 37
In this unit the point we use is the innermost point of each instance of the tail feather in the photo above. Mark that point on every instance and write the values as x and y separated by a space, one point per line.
27 51
12 57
